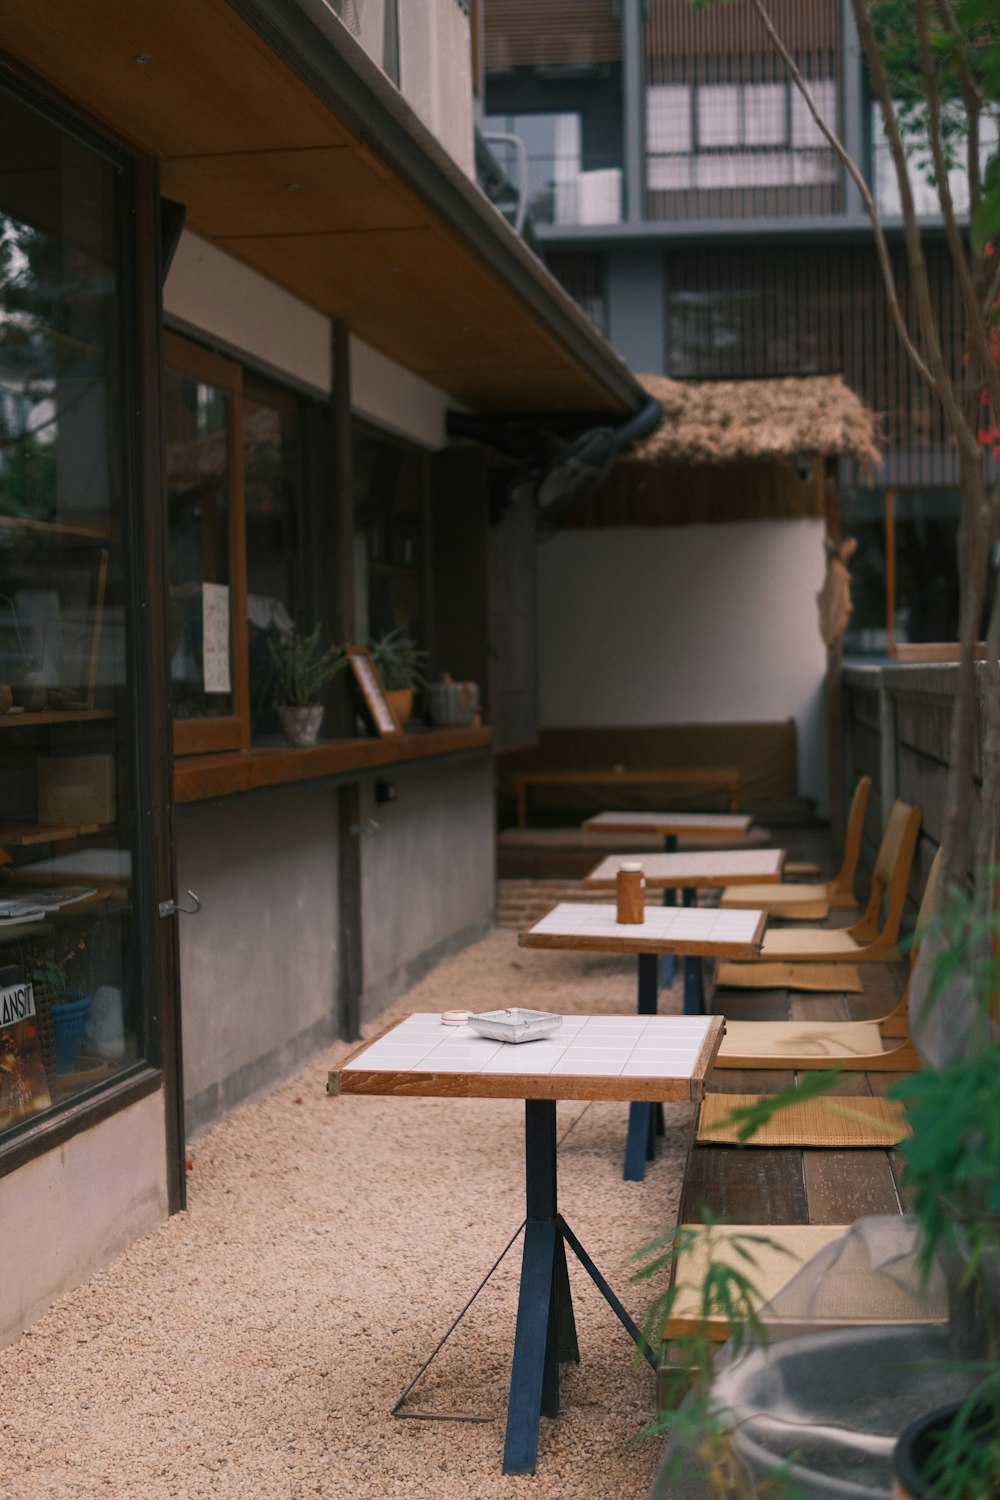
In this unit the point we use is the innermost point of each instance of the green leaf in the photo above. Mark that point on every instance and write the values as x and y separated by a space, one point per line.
986 221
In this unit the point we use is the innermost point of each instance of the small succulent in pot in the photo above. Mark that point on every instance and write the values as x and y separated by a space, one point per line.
401 665
400 661
300 669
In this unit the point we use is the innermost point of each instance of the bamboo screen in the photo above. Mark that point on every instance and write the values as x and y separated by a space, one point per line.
773 311
582 274
727 136
550 33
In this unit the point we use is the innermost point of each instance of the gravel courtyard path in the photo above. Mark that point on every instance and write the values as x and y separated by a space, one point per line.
253 1346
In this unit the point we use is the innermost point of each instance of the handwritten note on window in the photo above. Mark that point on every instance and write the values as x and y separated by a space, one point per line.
215 637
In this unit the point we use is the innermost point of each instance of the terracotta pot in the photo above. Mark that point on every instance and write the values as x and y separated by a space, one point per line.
400 700
301 724
6 696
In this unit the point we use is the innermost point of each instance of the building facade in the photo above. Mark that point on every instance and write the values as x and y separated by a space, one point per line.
680 188
242 282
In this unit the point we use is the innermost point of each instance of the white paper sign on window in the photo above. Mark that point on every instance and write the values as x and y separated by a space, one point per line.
215 637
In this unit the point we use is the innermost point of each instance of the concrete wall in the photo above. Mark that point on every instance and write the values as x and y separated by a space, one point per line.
686 624
71 1211
259 972
897 722
435 73
427 875
260 963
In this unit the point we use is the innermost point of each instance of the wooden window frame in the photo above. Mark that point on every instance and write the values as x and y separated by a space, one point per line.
229 731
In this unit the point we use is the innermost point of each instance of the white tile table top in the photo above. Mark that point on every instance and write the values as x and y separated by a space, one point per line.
709 825
722 867
589 1056
666 929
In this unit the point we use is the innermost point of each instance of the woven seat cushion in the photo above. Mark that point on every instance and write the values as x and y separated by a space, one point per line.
845 1122
772 1268
823 979
800 1039
835 945
769 897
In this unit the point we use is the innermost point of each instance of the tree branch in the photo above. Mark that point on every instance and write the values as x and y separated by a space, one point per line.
857 177
978 341
940 381
972 97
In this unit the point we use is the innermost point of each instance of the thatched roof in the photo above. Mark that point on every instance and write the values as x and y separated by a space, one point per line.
719 421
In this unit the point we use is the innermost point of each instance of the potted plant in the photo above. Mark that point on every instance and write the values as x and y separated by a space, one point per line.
952 1163
400 664
300 668
70 1008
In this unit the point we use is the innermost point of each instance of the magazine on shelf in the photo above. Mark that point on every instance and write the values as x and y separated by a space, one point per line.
44 899
24 1088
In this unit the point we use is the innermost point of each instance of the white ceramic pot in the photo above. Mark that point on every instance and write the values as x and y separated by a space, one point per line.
301 724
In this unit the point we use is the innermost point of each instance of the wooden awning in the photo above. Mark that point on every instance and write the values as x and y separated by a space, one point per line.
293 153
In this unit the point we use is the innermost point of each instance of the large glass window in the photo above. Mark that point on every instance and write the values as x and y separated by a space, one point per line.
71 1009
389 487
904 574
239 463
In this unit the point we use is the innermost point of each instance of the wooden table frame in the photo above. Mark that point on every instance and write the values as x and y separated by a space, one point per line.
645 1120
726 777
545 1330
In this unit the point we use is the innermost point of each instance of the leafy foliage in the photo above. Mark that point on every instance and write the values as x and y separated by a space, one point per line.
301 668
400 662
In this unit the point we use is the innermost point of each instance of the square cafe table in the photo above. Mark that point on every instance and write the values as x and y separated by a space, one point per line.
720 826
589 1057
667 929
688 872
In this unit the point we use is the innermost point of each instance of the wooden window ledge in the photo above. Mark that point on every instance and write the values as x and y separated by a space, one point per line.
197 777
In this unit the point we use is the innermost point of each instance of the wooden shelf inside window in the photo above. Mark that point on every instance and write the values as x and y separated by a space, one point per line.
55 528
20 834
197 777
54 716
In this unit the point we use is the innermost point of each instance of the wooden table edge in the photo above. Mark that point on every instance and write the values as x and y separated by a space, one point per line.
688 947
647 1089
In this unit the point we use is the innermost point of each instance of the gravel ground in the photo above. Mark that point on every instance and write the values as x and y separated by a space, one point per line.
255 1344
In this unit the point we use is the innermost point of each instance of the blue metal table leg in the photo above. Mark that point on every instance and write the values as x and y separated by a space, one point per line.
645 1121
694 993
545 1332
668 964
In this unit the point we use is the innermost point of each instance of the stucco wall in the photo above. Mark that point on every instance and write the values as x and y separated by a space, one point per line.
260 965
427 884
71 1211
435 73
686 624
259 968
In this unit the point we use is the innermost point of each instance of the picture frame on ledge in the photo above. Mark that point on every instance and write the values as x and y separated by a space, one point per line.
369 684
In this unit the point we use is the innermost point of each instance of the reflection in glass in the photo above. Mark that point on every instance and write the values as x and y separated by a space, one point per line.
70 1011
197 480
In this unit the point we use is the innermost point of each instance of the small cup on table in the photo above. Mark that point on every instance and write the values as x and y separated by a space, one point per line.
630 892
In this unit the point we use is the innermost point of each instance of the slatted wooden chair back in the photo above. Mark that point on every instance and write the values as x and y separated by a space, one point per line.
891 876
926 908
843 882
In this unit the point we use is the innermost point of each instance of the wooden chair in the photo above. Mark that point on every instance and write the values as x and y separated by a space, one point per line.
856 1046
782 899
867 940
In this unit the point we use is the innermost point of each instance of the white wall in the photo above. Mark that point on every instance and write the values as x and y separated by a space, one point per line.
216 295
73 1210
435 73
686 624
212 291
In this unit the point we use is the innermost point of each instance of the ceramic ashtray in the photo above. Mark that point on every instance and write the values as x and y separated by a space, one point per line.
515 1025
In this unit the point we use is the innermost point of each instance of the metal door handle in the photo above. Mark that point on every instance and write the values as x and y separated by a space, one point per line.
174 908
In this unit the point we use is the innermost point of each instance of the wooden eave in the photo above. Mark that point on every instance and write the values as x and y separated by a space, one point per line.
293 154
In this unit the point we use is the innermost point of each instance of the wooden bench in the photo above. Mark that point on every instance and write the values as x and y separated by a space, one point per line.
714 778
